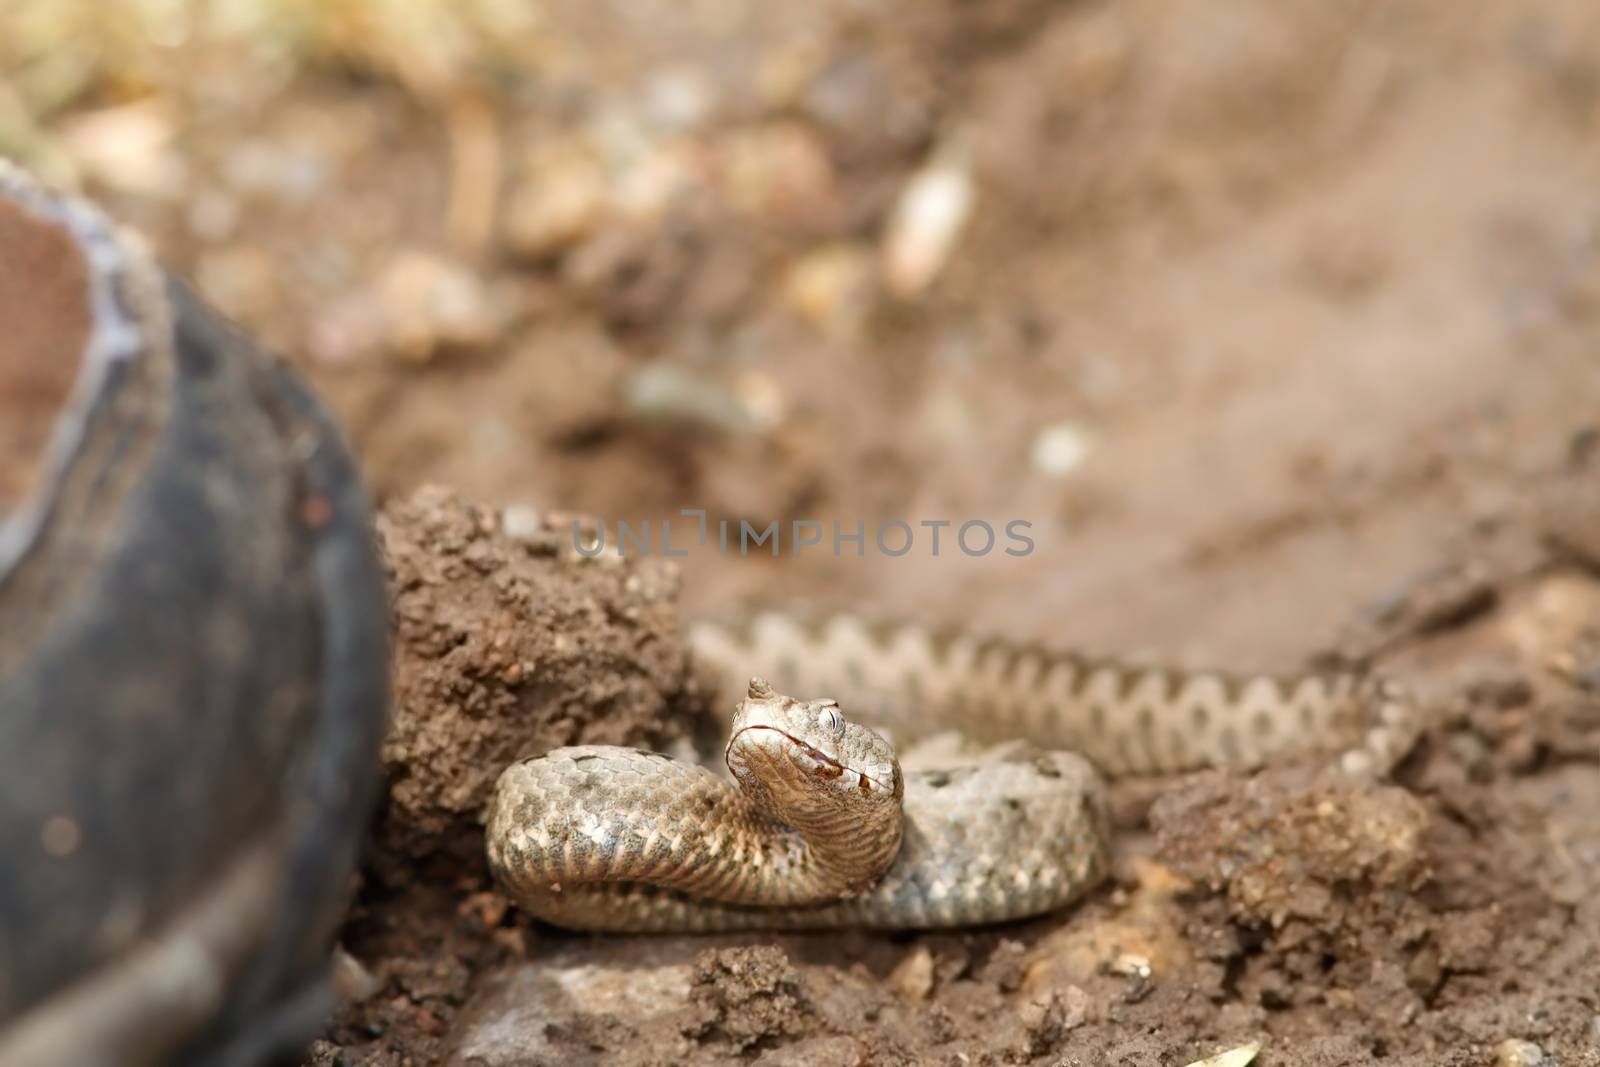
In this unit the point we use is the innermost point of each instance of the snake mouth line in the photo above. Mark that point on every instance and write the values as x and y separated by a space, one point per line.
827 765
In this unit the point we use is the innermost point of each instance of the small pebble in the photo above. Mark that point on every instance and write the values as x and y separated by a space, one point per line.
352 981
1233 1057
1058 450
913 977
1513 1052
561 199
129 148
430 305
649 176
519 522
831 287
929 216
1131 965
661 392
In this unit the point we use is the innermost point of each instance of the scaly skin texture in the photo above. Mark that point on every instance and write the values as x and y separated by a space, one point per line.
825 830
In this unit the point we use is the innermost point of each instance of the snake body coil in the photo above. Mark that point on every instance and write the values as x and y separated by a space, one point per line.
824 829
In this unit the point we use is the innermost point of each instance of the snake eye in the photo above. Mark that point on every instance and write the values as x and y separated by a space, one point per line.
830 718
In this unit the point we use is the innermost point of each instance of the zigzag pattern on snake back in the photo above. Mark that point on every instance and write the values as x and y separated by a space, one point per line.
605 838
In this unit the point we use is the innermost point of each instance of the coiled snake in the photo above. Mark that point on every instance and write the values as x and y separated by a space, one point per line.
825 829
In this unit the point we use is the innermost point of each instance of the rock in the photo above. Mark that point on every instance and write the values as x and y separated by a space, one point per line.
560 200
1131 965
129 148
1233 1057
1516 1053
431 305
648 175
352 981
537 1013
778 171
927 219
913 976
832 288
664 392
522 523
1058 450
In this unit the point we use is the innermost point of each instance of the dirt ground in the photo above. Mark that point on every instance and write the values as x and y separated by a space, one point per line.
1277 320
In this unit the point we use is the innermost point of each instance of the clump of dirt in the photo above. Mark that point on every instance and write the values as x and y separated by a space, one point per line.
747 997
1425 915
506 646
1321 878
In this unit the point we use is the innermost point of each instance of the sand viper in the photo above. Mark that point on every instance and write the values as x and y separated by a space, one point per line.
824 828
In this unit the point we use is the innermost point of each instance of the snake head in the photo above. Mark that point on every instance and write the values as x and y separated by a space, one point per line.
804 762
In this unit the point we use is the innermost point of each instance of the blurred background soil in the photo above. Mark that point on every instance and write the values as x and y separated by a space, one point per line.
1276 319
